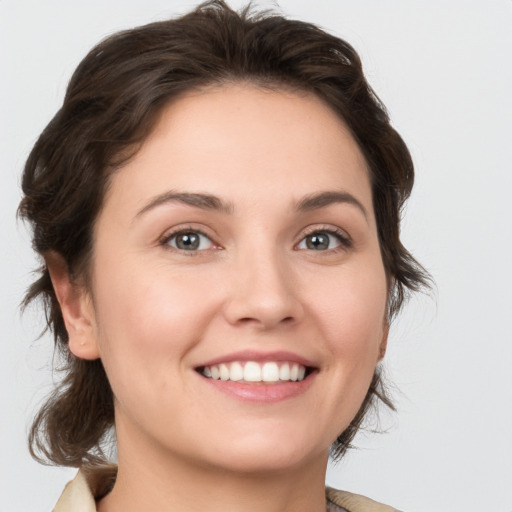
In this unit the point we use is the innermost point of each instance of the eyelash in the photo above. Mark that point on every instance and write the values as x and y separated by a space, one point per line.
344 240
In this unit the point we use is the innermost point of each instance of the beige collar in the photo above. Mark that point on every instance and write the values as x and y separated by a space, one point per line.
356 502
77 497
79 494
89 484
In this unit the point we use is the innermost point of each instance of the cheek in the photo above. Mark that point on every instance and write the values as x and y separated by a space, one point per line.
352 320
152 316
352 317
147 323
352 307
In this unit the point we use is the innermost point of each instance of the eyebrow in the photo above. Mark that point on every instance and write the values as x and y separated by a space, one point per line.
210 202
203 201
323 199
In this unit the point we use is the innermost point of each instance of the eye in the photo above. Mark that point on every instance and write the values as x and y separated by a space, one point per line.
323 240
189 240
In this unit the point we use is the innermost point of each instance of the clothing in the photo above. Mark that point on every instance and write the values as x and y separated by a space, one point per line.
79 494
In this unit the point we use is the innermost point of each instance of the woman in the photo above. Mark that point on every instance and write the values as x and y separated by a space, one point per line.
217 204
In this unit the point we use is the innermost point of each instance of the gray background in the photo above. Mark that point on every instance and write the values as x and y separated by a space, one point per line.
443 69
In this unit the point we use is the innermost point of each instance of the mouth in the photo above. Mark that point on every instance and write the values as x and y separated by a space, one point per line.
259 377
253 372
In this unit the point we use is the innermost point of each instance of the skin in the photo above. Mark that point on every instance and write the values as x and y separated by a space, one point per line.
155 312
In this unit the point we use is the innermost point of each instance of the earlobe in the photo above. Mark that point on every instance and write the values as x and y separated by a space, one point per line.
76 307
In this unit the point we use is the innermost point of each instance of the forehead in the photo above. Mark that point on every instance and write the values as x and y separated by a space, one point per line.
248 142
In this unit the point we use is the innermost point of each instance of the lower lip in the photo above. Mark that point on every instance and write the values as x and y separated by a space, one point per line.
262 392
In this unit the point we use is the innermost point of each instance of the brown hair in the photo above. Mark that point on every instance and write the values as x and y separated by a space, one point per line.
111 105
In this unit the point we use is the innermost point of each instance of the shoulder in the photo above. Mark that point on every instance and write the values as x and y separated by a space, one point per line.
355 502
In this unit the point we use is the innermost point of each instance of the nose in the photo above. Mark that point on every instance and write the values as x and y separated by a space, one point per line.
263 292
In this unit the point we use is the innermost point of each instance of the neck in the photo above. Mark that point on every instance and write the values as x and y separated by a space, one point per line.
167 482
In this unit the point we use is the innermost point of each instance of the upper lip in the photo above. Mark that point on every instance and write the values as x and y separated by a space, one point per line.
260 356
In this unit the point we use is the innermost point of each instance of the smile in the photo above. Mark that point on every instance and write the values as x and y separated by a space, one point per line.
251 371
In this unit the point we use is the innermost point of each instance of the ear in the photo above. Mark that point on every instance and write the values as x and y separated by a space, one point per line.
384 341
76 307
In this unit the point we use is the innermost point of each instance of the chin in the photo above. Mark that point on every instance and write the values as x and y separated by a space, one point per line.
266 454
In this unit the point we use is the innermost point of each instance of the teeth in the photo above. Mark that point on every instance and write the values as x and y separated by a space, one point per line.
284 372
252 371
224 372
270 372
236 371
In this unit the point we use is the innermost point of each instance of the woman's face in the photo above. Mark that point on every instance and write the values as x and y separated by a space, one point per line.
240 243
